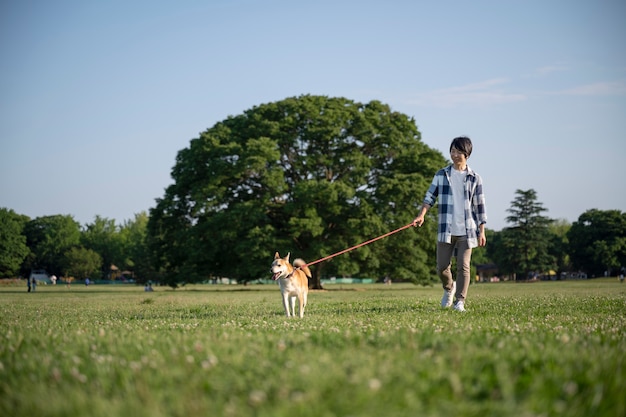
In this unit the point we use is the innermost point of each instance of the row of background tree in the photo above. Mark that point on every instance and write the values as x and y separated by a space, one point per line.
310 175
61 246
595 244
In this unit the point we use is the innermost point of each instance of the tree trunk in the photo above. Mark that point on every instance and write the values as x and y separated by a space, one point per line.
315 282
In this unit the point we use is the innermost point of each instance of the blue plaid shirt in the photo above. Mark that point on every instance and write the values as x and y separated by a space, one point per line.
475 211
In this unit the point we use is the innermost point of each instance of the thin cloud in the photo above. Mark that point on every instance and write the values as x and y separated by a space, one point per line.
547 70
484 93
550 69
597 89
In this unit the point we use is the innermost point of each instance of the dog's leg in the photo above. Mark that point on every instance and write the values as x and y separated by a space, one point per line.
293 306
302 303
286 303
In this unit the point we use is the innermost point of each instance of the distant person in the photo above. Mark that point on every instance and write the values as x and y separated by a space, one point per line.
87 282
28 283
462 218
34 283
53 279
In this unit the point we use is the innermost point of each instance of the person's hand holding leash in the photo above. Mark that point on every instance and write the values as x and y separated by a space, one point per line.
419 220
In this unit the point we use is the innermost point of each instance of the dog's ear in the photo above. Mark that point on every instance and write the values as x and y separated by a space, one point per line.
276 255
286 258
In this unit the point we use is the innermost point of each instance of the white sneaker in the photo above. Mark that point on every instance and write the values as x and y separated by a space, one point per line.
448 296
459 306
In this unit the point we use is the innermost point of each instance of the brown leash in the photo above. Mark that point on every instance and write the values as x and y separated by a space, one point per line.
354 247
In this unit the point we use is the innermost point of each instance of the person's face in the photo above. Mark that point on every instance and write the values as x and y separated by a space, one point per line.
457 156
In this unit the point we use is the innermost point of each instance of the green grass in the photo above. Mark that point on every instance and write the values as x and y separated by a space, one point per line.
542 349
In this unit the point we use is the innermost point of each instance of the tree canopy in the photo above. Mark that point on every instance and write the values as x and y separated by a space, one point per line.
13 248
310 175
103 237
81 263
49 237
598 241
523 247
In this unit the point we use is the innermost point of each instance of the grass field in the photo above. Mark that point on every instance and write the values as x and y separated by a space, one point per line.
542 349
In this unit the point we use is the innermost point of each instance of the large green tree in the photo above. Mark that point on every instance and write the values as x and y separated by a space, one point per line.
81 263
597 241
559 245
133 236
525 244
103 237
48 238
310 175
13 248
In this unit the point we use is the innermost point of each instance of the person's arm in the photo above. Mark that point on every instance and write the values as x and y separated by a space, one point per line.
419 220
480 210
482 239
429 199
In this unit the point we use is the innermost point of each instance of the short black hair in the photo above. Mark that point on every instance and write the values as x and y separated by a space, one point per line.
462 144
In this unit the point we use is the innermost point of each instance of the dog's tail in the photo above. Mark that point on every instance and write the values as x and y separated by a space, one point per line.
299 263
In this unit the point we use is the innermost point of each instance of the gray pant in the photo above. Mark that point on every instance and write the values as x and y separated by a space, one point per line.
445 251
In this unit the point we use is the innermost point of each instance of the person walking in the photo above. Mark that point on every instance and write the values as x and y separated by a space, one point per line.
462 219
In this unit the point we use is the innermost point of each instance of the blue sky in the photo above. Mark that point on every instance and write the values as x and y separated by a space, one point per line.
97 97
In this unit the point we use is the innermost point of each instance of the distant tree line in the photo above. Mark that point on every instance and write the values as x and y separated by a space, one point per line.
310 175
534 244
61 246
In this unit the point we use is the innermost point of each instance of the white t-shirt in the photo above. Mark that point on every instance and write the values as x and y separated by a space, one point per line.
457 182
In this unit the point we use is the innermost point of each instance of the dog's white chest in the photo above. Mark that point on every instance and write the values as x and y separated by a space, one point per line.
287 286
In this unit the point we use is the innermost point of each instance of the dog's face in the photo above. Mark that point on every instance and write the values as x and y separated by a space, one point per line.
280 266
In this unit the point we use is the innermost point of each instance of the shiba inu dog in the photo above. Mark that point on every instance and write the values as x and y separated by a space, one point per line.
293 282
